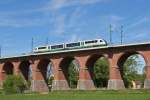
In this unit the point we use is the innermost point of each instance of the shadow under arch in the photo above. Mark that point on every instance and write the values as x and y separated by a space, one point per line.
24 68
42 67
123 58
64 65
8 69
90 66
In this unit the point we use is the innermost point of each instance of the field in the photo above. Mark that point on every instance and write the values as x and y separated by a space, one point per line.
82 95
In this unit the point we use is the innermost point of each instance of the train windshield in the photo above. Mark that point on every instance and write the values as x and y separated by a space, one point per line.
100 40
73 44
57 46
89 42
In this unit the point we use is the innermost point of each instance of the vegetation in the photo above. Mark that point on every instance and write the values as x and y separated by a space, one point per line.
130 71
73 75
14 84
101 72
20 83
50 80
9 85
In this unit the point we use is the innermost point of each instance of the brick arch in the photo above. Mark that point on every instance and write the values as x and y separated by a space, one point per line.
39 72
8 69
24 69
90 64
63 66
123 57
42 68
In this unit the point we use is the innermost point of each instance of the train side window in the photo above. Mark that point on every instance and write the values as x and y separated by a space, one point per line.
73 44
42 48
89 42
56 46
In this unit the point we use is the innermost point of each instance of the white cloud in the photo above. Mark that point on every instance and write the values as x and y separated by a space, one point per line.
75 17
138 22
74 38
64 22
59 25
113 19
14 22
50 11
92 1
139 33
7 1
138 29
58 4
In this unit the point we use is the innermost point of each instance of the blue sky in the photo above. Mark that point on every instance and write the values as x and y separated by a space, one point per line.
70 20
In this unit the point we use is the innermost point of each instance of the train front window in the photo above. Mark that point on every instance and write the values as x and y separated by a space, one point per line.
90 42
56 46
100 40
73 44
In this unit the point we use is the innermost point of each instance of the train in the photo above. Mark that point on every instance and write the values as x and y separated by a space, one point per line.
72 45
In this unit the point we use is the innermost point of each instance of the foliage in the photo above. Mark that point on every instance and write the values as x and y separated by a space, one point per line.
73 75
20 83
50 80
14 84
9 85
28 84
130 72
101 72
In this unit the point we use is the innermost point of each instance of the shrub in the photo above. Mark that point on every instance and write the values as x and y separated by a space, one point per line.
50 80
20 84
9 85
14 84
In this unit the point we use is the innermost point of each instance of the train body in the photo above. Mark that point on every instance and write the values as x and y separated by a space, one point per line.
72 45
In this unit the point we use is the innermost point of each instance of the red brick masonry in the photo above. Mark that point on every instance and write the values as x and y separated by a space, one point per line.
115 55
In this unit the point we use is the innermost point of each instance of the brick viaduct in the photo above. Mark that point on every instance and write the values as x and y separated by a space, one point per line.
116 56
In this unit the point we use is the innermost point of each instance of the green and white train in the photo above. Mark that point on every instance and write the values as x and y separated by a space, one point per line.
73 45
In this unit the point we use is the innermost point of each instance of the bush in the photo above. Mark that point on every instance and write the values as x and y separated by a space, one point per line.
28 84
50 80
20 84
9 85
14 84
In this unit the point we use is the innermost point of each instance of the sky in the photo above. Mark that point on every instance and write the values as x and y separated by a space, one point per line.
70 20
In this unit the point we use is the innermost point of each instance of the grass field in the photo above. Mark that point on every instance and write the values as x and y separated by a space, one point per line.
82 95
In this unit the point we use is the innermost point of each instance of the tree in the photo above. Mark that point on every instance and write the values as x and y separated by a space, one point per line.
130 72
20 83
101 72
73 75
14 84
9 85
50 80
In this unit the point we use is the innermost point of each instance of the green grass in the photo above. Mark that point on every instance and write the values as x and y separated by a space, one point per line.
82 95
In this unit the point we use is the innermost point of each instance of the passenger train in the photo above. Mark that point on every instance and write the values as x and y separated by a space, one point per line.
73 45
